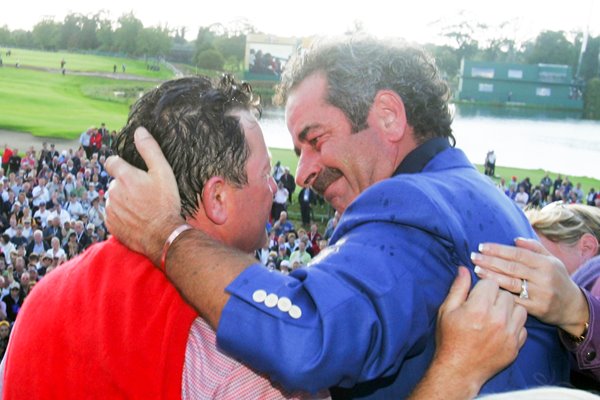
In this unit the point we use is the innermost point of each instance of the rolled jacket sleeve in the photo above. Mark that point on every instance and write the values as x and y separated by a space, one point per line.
586 353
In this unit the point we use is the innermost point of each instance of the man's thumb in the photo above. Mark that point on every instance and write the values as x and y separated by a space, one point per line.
150 150
459 290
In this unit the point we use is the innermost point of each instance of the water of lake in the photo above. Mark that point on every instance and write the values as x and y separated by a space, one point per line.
554 141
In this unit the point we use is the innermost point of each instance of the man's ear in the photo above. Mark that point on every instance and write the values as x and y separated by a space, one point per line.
588 245
388 114
214 200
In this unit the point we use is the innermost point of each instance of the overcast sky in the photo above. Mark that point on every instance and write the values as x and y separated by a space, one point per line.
419 22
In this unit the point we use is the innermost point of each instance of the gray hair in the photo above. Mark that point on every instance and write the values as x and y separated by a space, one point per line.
357 67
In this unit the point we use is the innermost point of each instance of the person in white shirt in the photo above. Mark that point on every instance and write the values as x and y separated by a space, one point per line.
521 198
55 251
40 193
73 206
61 213
92 193
42 213
96 214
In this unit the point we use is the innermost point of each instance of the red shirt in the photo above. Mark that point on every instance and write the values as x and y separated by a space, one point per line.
8 153
96 140
105 324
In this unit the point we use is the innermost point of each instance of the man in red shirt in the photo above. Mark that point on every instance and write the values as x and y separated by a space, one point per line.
96 141
6 157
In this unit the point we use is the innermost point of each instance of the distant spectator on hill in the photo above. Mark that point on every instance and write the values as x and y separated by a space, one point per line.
72 248
282 226
103 130
300 255
96 214
113 137
27 227
568 186
331 225
37 245
14 163
69 183
53 152
306 198
521 198
315 238
13 301
7 247
591 197
579 195
54 229
279 201
42 214
55 251
73 206
288 182
95 142
58 211
28 163
490 163
6 155
277 171
18 239
40 193
85 140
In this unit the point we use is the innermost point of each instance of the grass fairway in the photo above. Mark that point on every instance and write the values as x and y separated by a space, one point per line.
83 62
50 104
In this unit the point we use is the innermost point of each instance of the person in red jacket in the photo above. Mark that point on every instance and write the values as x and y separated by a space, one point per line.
96 141
6 155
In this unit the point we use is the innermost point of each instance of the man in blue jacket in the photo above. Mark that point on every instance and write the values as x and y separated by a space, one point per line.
370 122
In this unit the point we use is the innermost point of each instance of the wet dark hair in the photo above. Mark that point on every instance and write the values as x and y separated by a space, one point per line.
358 66
191 120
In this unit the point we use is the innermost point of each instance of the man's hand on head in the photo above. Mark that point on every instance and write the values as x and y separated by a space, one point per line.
143 207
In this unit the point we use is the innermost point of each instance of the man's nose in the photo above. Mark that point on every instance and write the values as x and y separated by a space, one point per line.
308 168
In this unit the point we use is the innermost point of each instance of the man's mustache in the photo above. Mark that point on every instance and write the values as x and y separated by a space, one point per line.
326 178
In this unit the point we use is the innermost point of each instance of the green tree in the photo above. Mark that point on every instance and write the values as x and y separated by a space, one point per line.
153 42
5 39
591 100
232 48
70 32
105 33
462 34
204 40
590 67
446 59
22 38
46 34
126 35
89 27
551 47
210 59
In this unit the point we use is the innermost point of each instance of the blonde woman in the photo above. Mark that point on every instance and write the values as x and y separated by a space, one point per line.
556 280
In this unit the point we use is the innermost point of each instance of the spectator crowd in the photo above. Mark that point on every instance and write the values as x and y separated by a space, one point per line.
547 191
51 210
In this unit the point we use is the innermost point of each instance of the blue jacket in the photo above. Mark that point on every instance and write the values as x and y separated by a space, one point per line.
365 309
